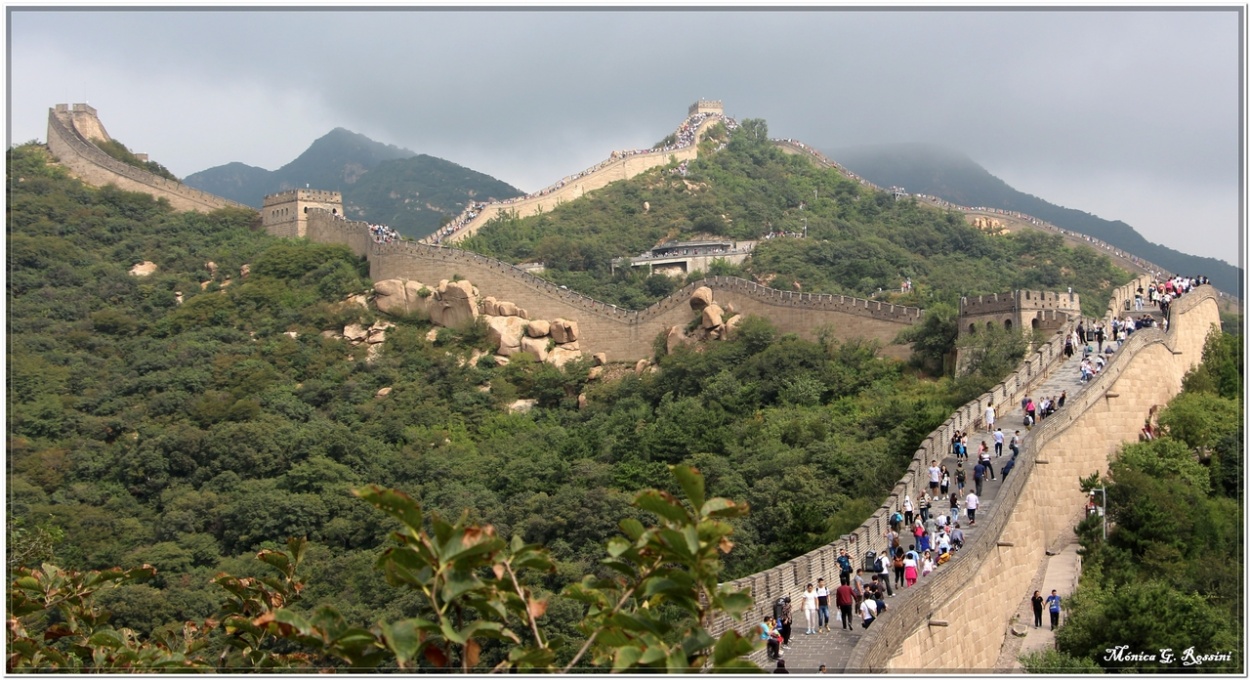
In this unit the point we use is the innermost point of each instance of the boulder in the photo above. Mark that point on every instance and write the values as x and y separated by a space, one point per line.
641 366
504 332
600 359
360 300
535 346
454 304
563 330
431 335
375 336
211 267
522 313
332 335
730 310
731 326
501 361
560 356
506 309
400 296
355 333
538 328
244 271
581 401
700 298
713 316
522 405
382 392
646 206
292 334
490 306
676 337
372 353
594 373
178 296
144 268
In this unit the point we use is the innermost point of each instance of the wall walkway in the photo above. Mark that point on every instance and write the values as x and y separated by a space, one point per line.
624 335
88 163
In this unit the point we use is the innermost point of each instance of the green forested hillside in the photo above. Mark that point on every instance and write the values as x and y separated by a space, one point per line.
955 177
858 241
190 435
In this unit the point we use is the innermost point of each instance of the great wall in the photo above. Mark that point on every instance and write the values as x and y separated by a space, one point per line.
1036 504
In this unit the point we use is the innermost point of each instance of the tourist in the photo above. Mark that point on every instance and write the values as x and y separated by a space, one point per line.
1037 608
868 611
998 442
909 567
1052 603
844 564
935 477
822 605
809 609
971 502
908 510
844 597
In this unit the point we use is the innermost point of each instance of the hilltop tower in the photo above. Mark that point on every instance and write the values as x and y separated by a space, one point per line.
286 213
708 106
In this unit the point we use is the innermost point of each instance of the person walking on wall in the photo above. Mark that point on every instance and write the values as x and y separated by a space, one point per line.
822 605
989 418
844 565
998 443
1053 603
809 609
1037 608
971 503
844 597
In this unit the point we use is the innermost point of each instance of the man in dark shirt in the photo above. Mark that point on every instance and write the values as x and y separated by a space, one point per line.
844 597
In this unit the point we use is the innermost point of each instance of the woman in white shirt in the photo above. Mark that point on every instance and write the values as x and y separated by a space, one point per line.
809 608
927 568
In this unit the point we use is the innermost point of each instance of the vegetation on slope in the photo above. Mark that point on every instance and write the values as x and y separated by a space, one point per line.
190 435
859 242
119 151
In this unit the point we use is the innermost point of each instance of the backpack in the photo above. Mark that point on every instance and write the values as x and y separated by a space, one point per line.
897 518
898 561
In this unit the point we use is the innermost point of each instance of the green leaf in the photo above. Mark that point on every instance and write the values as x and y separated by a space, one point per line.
691 483
395 503
403 638
625 658
106 638
617 546
632 528
663 504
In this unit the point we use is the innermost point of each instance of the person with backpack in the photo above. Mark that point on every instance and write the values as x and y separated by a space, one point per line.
899 565
883 570
961 477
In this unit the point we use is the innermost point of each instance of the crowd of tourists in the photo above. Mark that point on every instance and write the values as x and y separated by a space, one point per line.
380 233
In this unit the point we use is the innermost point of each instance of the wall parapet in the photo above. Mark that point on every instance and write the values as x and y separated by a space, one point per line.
880 643
64 137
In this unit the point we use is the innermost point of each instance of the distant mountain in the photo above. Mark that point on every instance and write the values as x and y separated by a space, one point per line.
948 174
380 183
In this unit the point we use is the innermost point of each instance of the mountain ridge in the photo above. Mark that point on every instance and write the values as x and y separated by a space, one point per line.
953 176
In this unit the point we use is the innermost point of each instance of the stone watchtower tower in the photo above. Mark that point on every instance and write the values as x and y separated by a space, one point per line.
286 213
707 106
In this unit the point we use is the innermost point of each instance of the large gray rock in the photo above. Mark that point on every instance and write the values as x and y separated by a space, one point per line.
560 356
538 328
700 298
145 268
454 305
713 316
676 337
505 332
535 346
563 330
400 296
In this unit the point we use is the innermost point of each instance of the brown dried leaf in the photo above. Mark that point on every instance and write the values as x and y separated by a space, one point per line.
435 656
472 650
537 608
725 544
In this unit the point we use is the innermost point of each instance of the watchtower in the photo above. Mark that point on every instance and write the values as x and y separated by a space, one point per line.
286 213
708 106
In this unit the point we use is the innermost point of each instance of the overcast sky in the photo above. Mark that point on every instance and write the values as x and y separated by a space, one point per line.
1129 114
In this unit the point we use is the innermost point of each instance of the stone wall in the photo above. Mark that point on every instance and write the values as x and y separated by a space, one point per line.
624 335
977 594
575 187
88 163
